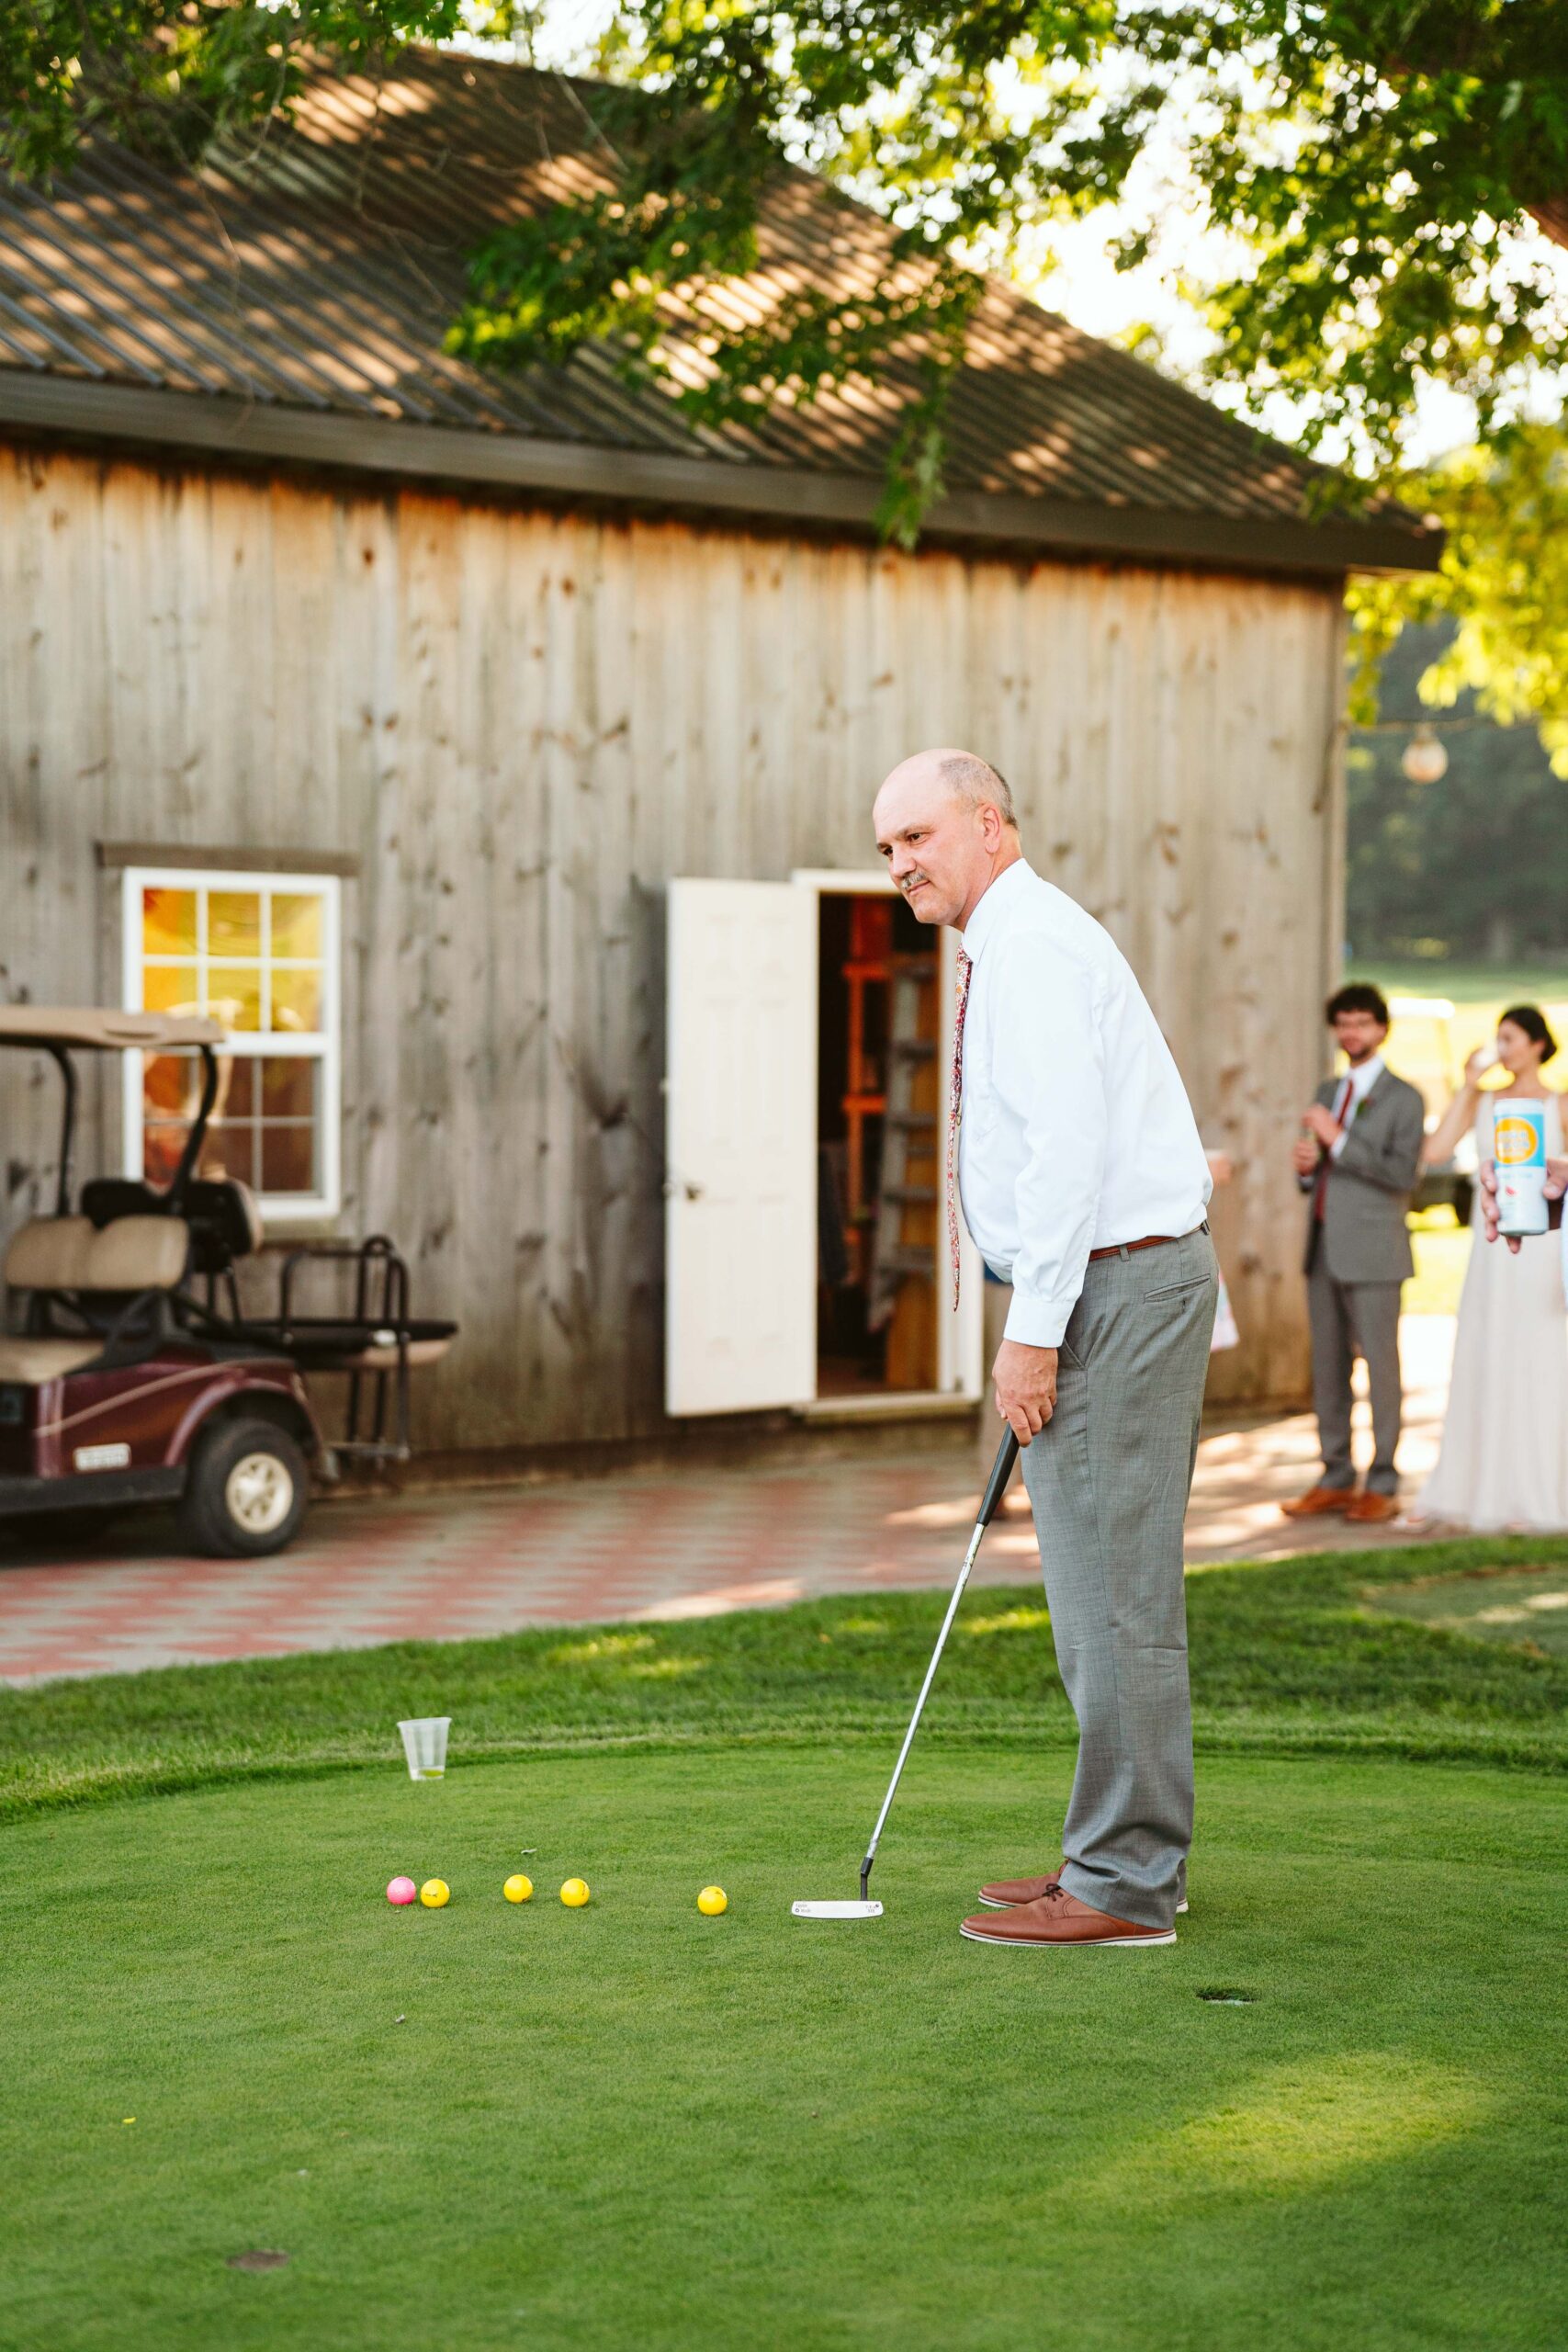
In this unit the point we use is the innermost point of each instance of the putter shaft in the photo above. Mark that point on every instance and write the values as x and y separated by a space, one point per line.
1001 1471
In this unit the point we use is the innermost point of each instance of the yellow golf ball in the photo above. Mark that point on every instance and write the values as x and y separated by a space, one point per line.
518 1888
712 1901
435 1893
574 1894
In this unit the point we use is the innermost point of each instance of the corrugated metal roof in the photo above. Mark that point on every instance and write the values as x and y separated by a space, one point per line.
316 268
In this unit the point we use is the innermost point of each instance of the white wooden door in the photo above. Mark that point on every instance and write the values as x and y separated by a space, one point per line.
740 1125
961 1369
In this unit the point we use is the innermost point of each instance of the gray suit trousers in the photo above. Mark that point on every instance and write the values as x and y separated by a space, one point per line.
1349 1319
1108 1478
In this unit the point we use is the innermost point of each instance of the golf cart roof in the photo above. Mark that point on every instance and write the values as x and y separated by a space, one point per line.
102 1029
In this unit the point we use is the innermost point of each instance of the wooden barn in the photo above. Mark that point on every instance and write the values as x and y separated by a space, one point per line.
494 754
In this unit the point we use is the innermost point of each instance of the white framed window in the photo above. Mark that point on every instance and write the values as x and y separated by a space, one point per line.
259 952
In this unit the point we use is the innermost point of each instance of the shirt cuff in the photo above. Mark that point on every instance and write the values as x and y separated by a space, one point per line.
1036 1322
1337 1146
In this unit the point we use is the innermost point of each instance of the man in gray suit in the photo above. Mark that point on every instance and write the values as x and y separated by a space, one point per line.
1357 1161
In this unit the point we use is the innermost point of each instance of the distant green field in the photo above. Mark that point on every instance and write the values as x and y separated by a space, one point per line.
1469 984
1442 1253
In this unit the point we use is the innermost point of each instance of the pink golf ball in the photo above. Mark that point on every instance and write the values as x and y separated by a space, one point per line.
401 1890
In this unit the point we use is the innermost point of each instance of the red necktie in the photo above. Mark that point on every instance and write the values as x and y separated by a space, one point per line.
955 1107
1326 1163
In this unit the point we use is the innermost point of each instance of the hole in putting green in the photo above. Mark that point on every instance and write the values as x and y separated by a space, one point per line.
1226 1996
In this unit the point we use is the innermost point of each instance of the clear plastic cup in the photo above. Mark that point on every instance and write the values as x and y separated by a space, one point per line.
425 1744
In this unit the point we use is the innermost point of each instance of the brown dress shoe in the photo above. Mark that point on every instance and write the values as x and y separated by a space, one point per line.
1319 1501
1367 1509
1058 1918
1007 1894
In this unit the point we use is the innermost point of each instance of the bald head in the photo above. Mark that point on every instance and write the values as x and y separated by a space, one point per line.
945 823
969 779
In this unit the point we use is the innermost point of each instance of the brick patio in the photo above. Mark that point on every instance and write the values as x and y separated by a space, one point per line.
443 1566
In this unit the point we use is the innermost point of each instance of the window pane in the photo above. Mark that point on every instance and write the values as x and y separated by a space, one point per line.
230 1150
233 922
234 996
296 1001
289 1159
171 988
295 923
288 1087
226 1151
168 922
250 952
171 1086
236 1085
161 1145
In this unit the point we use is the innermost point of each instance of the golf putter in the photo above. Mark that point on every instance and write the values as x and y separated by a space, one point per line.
1001 1471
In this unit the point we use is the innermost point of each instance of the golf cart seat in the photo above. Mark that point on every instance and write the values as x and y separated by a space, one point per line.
68 1257
225 1223
106 1198
70 1253
30 1364
49 1253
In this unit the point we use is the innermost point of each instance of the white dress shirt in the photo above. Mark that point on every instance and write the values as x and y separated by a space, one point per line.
1363 1078
1077 1132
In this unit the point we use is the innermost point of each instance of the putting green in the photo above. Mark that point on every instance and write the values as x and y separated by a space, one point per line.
1531 1604
633 2127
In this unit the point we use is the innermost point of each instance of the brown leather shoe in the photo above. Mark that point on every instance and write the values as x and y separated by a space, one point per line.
1058 1918
1367 1509
1007 1894
1319 1502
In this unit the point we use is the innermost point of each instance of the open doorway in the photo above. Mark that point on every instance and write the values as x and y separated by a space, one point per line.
809 1031
880 1139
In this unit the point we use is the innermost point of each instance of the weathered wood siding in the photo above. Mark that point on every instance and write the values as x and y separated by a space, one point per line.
523 726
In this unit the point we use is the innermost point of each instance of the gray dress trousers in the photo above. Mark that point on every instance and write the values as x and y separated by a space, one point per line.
1108 1479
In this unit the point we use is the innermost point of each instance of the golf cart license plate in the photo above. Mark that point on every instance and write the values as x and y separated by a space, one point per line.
102 1457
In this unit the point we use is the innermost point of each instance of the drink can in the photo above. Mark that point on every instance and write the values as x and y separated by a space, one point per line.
1518 1147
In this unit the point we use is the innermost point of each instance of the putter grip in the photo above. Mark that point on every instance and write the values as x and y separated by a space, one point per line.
1001 1471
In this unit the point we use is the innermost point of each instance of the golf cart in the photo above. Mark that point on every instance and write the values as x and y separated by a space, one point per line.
136 1374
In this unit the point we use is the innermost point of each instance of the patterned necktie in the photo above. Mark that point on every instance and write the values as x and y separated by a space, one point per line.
955 1106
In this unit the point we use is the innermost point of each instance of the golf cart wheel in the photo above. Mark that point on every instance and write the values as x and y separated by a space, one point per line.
247 1491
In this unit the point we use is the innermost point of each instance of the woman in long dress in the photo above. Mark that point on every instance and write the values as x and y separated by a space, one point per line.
1504 1462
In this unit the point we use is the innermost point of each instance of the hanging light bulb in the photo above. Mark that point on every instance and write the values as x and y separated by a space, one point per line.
1423 759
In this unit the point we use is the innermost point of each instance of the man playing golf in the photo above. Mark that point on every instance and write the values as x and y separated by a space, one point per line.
1085 1186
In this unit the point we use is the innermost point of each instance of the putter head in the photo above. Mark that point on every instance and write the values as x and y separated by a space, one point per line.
836 1910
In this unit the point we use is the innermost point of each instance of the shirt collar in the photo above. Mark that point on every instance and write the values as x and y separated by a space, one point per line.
1363 1079
993 904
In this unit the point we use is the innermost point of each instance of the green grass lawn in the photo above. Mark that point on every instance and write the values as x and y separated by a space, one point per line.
1525 1604
631 2127
1287 1660
1441 1249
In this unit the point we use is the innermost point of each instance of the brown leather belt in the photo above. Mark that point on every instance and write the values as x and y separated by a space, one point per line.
1124 1248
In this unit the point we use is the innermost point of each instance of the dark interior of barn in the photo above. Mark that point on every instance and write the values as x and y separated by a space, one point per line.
879 1141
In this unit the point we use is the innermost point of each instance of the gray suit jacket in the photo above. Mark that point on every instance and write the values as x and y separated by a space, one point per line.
1364 1235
